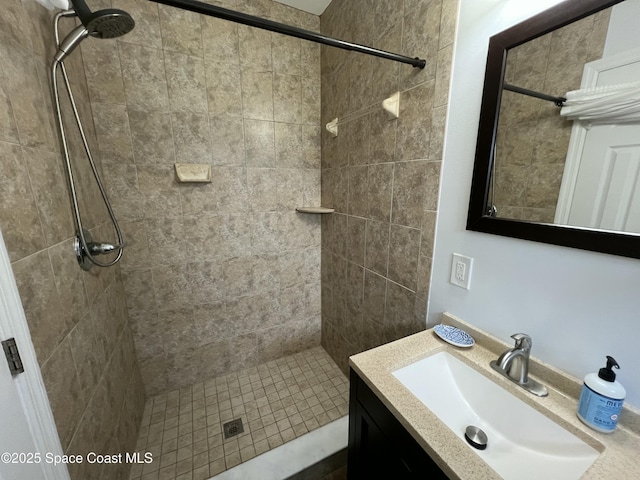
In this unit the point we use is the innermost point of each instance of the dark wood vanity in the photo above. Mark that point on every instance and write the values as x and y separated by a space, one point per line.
379 446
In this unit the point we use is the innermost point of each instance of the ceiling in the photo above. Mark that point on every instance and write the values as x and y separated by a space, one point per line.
316 7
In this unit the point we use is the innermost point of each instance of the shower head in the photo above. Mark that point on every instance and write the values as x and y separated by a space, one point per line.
107 23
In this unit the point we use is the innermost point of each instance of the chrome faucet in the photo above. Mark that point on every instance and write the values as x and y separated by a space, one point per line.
514 365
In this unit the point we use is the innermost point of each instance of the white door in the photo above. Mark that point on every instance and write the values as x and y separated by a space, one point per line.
15 440
26 422
600 186
607 194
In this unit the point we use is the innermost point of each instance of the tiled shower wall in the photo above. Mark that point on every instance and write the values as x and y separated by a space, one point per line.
380 174
225 275
532 137
78 320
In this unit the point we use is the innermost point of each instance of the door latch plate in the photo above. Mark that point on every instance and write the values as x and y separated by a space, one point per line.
13 356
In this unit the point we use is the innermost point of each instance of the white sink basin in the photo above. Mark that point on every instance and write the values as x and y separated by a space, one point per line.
522 443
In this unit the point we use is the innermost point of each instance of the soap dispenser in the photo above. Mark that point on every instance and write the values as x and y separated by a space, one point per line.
601 399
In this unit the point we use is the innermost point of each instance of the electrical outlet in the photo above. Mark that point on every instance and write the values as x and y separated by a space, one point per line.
461 271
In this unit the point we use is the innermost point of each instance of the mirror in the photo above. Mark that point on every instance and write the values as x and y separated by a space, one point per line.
531 178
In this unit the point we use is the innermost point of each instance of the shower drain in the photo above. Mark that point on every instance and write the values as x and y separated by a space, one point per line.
233 428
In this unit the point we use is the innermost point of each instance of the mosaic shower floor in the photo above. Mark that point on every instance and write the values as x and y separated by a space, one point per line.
277 401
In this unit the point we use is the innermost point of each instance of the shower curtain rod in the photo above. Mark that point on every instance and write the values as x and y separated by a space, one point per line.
252 21
559 101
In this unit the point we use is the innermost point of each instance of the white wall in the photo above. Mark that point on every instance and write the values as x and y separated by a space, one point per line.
578 306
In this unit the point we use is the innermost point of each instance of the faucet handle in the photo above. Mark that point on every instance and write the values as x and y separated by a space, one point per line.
523 341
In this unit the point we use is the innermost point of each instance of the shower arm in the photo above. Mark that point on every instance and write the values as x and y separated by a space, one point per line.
86 251
258 22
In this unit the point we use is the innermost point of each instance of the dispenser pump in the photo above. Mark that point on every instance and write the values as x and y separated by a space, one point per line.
607 373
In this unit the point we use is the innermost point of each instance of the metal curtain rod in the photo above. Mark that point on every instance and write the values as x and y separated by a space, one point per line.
559 101
252 21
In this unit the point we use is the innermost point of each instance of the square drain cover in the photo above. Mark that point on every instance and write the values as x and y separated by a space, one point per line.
233 428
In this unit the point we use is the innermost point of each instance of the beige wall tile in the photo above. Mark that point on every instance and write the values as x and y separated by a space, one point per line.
22 230
285 53
421 34
192 137
103 72
381 191
186 82
68 281
414 127
159 191
88 357
377 247
180 31
288 138
310 110
262 186
408 193
151 137
359 144
433 185
404 247
257 95
30 99
227 141
443 76
311 147
424 277
290 188
399 319
145 82
166 235
8 128
64 390
259 143
356 239
48 323
113 132
145 14
220 38
359 191
255 49
287 98
339 235
139 288
121 182
224 87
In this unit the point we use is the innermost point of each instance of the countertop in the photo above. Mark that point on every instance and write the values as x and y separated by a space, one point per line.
619 457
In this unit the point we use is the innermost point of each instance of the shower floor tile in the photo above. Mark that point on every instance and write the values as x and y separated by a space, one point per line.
277 401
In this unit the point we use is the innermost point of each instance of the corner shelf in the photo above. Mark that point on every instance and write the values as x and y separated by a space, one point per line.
319 210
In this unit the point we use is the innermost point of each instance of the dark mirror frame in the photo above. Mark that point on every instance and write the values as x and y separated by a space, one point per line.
616 243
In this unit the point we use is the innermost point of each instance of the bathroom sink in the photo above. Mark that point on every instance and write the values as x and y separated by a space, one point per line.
522 443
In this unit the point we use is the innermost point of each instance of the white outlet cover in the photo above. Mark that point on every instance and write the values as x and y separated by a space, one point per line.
465 267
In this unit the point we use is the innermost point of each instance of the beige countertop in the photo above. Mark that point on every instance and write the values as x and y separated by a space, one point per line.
620 450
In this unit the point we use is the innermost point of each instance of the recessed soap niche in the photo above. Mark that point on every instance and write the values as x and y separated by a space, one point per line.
193 173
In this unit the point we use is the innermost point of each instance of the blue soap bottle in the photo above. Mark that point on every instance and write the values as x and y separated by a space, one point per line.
601 399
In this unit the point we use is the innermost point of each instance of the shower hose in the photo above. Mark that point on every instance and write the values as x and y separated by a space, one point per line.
86 249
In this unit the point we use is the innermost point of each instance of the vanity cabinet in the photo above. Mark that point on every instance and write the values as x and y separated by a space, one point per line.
379 446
